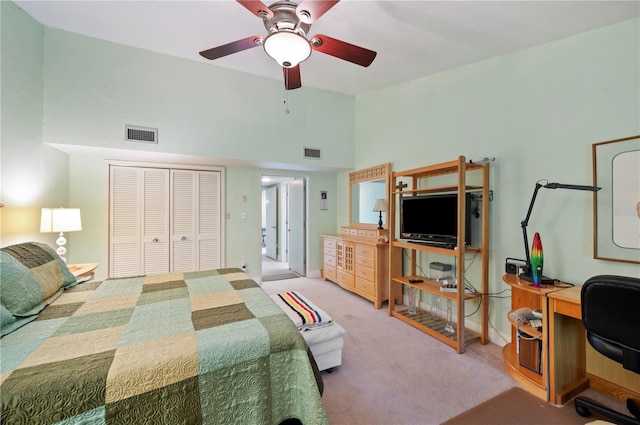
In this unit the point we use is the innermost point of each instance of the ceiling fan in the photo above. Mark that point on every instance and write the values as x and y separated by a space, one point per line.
287 24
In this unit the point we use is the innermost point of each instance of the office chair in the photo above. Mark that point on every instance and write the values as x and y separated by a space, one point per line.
611 317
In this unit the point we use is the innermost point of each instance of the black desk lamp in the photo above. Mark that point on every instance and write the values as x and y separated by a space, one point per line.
528 275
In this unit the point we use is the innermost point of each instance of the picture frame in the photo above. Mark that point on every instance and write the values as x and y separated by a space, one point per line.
616 207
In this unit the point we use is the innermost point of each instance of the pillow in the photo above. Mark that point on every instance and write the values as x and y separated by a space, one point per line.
9 323
32 275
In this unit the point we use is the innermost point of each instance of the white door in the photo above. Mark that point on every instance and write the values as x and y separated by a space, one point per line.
124 221
183 221
296 220
195 220
155 216
139 213
271 218
209 209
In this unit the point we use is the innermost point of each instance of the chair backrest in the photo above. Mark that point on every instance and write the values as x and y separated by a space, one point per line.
611 316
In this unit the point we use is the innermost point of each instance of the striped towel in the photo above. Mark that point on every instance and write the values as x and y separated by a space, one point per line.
304 314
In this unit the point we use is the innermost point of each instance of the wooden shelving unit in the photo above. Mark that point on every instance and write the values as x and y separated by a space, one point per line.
433 324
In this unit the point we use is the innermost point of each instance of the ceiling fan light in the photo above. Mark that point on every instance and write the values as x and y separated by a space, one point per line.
287 48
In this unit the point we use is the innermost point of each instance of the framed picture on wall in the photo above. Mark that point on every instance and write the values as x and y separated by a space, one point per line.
616 209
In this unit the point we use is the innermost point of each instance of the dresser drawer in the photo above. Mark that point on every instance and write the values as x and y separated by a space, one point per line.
330 260
365 286
330 244
330 272
329 251
365 272
344 278
365 261
365 251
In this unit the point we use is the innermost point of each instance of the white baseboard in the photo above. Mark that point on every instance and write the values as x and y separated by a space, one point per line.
314 273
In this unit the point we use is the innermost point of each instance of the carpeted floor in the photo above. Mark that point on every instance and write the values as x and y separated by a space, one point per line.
393 374
517 406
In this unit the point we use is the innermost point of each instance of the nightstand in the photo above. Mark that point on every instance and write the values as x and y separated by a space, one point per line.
83 270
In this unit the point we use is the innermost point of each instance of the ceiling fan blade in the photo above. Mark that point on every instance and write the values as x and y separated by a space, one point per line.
233 47
292 78
342 50
257 8
310 10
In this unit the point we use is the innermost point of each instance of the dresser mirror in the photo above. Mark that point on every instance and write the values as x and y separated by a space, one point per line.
365 186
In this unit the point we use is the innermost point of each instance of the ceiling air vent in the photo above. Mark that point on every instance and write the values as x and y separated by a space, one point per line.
312 153
140 134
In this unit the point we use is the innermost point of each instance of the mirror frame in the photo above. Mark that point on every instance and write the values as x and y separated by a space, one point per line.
377 172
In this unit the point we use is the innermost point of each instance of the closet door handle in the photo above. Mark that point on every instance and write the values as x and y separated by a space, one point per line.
184 238
155 239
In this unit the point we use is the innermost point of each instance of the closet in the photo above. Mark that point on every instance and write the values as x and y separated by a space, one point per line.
164 220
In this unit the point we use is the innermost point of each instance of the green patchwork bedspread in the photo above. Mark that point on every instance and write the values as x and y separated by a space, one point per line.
206 347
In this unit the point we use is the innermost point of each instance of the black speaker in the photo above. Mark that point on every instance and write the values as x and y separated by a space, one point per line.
514 266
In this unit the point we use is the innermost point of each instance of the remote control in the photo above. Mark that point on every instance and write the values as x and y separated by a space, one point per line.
415 280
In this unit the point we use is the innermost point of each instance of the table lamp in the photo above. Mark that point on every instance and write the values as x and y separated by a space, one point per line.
528 270
380 206
60 220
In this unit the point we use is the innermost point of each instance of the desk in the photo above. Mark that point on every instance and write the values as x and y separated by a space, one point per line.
569 364
567 345
525 295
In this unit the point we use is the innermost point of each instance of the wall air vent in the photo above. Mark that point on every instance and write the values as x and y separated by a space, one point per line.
140 134
312 153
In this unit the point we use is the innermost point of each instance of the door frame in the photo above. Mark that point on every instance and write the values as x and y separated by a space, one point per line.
289 176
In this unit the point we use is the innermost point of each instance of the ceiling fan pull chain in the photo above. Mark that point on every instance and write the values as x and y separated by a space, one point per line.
286 101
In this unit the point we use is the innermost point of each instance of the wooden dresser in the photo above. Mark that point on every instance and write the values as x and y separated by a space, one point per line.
358 261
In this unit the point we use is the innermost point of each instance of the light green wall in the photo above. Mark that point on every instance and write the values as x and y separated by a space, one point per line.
246 239
89 191
83 91
537 112
92 88
32 175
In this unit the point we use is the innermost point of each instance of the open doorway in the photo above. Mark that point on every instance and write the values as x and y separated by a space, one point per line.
283 227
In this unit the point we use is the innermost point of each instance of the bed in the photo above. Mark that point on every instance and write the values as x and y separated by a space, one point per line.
206 347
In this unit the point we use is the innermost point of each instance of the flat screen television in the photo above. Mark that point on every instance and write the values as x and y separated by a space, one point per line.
433 219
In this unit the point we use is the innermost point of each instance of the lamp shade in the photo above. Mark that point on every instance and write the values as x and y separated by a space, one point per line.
60 220
380 206
287 48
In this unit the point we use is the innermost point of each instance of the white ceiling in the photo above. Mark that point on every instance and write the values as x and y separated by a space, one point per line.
412 38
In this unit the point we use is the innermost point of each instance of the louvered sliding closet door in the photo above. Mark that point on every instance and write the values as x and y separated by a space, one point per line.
209 219
155 219
163 220
183 221
139 217
195 220
124 221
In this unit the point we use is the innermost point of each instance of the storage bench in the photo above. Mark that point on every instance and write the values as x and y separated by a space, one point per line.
322 334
